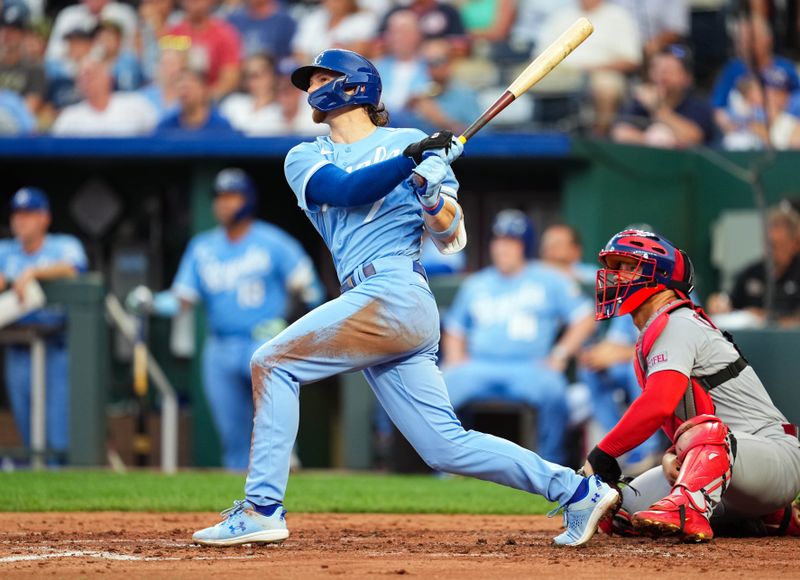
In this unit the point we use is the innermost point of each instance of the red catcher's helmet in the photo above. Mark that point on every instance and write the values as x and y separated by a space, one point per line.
636 265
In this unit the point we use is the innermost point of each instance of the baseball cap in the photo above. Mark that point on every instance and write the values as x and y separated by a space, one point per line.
81 30
30 199
15 14
776 78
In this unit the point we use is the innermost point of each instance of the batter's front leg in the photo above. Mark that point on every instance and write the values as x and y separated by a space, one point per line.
415 397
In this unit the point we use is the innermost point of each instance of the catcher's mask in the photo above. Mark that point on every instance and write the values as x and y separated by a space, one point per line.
636 265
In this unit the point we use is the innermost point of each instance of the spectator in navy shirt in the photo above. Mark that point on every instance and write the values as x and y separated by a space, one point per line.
664 112
753 41
265 28
197 113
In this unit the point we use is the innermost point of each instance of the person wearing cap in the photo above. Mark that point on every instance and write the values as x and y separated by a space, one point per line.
35 254
17 74
88 14
103 112
501 336
124 64
758 115
62 73
197 112
246 272
664 112
754 51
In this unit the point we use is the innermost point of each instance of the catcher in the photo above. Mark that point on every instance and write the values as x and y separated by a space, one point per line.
735 458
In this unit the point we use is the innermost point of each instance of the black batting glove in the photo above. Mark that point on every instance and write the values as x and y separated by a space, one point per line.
604 465
439 140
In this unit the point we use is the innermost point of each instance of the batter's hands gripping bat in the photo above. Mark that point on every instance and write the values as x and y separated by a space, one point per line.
550 58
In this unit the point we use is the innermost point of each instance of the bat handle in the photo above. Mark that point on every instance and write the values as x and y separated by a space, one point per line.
463 138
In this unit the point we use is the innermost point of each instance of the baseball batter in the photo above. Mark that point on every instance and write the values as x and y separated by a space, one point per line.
369 191
245 272
734 454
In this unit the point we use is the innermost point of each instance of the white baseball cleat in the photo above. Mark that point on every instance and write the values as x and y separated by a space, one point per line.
582 517
242 524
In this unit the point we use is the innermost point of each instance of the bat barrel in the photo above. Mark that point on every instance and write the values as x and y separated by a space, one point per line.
569 40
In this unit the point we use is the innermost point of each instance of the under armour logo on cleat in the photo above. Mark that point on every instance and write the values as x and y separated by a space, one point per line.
242 526
595 497
232 528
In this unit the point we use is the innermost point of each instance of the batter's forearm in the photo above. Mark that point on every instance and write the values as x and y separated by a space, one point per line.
446 226
443 220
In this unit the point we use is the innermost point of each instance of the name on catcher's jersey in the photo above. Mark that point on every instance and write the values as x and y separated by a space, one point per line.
391 226
242 282
515 317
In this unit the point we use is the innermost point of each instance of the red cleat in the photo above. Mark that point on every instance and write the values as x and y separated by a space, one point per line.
674 515
784 522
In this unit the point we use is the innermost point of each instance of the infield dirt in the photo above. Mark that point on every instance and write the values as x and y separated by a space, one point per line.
136 545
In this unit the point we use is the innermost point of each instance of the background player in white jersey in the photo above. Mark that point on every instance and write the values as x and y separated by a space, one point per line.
246 273
734 454
503 336
369 191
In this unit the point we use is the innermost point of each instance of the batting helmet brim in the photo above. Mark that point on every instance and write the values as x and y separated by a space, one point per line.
301 78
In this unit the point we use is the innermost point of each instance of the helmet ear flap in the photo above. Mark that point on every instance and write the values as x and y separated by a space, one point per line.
688 271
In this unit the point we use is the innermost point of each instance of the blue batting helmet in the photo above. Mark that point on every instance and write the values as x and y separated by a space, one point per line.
233 180
513 223
30 199
636 265
356 73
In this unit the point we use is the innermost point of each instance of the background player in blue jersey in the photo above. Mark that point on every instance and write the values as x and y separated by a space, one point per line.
245 271
35 254
369 191
502 336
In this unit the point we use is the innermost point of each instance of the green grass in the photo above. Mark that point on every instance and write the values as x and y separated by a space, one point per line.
214 491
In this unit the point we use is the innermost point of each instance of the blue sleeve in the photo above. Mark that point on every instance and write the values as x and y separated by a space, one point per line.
724 85
301 163
334 186
5 249
187 283
458 319
71 251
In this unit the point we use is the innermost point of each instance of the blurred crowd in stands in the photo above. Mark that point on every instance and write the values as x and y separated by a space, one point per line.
668 73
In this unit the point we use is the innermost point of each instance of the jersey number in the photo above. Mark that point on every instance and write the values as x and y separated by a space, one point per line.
250 294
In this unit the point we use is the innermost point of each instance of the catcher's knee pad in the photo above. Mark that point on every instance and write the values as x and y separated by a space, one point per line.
703 447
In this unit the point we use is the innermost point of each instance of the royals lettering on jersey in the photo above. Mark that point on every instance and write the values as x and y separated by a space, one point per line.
56 249
392 226
246 282
516 316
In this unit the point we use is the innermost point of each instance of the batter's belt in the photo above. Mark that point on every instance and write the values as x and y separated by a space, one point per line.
369 270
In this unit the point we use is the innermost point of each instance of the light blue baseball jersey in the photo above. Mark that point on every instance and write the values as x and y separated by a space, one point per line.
391 226
57 248
248 281
515 317
622 330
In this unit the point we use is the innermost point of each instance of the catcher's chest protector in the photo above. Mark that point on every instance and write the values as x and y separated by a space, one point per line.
695 401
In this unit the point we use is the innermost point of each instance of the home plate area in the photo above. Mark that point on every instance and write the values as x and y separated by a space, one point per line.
365 546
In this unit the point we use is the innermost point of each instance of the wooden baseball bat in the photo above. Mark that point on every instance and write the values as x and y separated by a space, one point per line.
569 40
141 437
